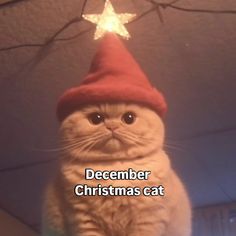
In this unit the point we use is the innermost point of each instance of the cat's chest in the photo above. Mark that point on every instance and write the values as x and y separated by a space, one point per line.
117 174
110 196
112 214
115 211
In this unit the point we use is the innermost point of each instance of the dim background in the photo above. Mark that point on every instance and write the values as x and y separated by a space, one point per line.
191 58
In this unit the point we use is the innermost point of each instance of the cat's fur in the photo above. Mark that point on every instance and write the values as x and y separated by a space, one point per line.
138 146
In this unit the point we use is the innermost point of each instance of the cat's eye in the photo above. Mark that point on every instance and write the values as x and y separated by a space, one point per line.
129 118
95 118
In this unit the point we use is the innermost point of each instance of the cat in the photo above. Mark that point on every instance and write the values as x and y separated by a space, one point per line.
115 136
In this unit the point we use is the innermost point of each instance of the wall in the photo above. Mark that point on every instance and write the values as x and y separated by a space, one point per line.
219 220
10 226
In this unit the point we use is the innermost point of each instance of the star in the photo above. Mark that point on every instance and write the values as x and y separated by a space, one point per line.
110 21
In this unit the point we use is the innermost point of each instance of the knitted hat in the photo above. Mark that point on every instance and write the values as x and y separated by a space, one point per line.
114 76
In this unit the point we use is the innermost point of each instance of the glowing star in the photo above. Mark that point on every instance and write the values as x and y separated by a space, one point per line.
109 21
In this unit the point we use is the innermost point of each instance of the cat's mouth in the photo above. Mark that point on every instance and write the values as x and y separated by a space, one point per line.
115 136
113 142
111 136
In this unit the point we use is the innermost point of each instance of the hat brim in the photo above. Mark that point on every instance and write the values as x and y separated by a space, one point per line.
76 97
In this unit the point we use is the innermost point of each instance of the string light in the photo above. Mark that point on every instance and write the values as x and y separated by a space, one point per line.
109 21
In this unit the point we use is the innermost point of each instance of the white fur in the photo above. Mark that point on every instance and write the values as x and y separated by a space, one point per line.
138 146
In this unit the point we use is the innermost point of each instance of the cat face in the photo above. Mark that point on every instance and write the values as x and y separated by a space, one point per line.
112 131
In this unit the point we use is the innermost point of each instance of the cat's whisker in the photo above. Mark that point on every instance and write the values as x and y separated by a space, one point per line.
126 133
84 136
79 147
76 141
168 146
131 138
84 148
70 143
147 139
76 146
65 140
56 149
137 138
176 145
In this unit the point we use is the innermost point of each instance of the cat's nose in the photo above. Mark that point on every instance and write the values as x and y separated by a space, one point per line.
111 126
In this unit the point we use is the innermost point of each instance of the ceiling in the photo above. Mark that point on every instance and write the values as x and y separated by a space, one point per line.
190 57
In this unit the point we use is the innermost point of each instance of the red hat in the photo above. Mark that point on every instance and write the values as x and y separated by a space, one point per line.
114 76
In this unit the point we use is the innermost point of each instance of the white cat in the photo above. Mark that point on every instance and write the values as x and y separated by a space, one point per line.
115 136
